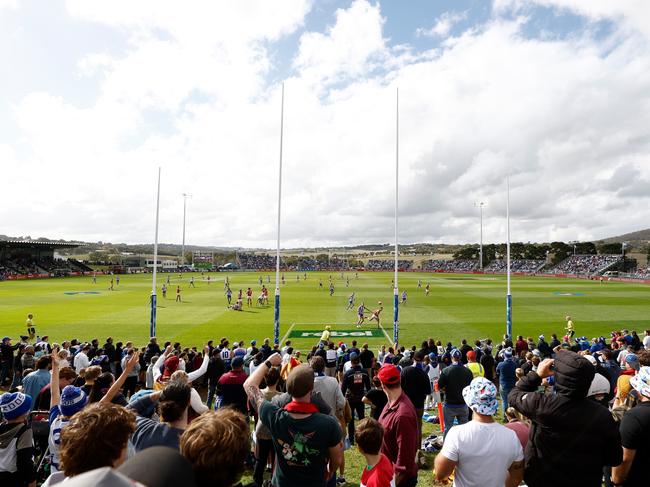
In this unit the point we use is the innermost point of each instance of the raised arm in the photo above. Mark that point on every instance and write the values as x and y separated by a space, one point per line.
117 385
192 376
159 363
252 384
55 393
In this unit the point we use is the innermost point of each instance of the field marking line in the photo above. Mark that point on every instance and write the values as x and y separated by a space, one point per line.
286 335
322 323
387 337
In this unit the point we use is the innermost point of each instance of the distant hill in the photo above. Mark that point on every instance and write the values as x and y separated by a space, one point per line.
634 238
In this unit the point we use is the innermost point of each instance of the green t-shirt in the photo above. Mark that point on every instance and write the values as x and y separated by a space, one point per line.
301 445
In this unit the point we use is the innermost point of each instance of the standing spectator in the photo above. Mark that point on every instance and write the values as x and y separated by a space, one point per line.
521 429
7 359
488 364
416 385
328 387
568 428
35 381
109 351
152 349
367 359
623 386
172 403
464 348
81 360
376 399
307 444
474 366
379 471
482 451
330 360
635 431
520 346
263 440
131 381
646 340
452 381
506 371
28 361
400 428
543 347
231 387
266 349
216 369
222 466
354 386
16 442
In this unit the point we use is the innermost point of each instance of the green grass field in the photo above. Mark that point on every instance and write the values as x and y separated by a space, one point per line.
459 306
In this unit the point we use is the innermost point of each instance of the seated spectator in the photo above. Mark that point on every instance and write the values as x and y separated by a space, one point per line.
222 466
16 441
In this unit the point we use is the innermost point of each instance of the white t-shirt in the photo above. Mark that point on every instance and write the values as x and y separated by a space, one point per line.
646 342
484 452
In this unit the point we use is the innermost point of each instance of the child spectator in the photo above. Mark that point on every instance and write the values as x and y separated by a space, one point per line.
379 471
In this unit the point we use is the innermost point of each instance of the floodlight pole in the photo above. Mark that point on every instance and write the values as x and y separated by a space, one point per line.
152 321
396 286
508 293
185 196
276 314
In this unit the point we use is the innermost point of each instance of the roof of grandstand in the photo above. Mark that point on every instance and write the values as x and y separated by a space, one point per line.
42 243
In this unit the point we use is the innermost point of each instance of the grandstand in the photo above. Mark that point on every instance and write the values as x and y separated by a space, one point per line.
387 265
458 265
587 265
35 258
641 273
528 266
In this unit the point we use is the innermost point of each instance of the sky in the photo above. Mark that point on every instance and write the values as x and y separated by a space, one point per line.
95 96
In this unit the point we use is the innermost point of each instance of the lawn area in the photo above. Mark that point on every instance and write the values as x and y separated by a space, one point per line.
459 306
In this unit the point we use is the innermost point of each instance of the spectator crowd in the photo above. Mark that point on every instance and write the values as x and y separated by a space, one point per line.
556 412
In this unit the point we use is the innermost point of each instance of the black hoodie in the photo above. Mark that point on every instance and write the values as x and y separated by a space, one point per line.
572 438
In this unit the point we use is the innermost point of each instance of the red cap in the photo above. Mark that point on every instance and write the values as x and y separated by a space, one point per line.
389 375
471 354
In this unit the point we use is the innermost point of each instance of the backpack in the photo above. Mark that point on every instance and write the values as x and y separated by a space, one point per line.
630 401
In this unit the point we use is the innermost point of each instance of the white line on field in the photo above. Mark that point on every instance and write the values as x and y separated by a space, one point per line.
287 333
324 323
387 337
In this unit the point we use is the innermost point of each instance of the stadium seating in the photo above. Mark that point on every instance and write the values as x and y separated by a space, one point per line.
387 265
516 265
460 265
586 264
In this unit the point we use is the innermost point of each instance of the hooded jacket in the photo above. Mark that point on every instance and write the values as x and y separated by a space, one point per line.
572 438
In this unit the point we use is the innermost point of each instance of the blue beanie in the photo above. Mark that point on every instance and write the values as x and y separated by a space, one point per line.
15 405
73 400
455 353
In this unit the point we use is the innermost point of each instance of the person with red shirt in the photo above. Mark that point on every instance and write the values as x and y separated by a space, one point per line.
400 428
379 471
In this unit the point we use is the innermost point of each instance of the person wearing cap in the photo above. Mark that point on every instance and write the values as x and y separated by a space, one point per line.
543 347
623 386
473 365
568 428
354 386
16 441
231 387
452 381
6 359
399 419
635 431
482 451
307 443
506 371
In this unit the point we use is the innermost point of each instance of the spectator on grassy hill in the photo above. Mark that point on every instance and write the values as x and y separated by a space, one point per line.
376 398
473 365
35 381
482 451
16 441
328 387
379 471
354 386
635 431
507 376
568 428
7 359
307 443
95 437
452 381
172 404
230 387
399 421
222 466
416 385
263 439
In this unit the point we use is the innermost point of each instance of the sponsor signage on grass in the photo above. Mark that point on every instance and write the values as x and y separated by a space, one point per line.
337 333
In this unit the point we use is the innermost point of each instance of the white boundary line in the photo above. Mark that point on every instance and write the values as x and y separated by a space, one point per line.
286 335
387 337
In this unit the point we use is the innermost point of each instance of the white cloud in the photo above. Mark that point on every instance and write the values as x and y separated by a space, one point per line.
443 25
565 118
